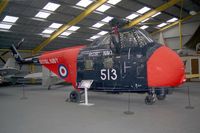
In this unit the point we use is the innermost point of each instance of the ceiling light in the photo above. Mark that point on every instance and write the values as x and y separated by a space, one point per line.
162 24
51 6
156 14
113 2
132 16
39 19
5 26
94 37
48 31
103 8
74 28
192 13
84 3
172 20
102 33
45 35
107 19
55 25
143 10
42 15
89 40
11 19
98 25
144 27
145 20
66 33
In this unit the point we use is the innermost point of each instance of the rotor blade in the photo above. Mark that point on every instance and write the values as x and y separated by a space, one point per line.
2 60
20 43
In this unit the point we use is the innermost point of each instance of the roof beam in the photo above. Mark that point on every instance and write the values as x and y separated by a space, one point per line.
167 13
152 12
80 17
175 23
3 4
181 7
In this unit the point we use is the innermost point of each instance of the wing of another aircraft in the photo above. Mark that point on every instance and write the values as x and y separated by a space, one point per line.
47 80
8 71
34 76
10 68
38 75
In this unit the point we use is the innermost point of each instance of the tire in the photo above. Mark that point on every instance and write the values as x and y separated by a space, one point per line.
75 96
161 96
161 93
149 100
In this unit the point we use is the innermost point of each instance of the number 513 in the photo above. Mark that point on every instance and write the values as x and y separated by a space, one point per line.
108 74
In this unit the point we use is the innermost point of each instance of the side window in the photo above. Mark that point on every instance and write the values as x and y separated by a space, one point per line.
88 64
108 63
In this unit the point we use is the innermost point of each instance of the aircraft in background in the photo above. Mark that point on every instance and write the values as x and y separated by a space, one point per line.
48 78
125 60
10 72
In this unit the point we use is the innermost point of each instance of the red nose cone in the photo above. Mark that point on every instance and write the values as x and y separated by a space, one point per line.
165 68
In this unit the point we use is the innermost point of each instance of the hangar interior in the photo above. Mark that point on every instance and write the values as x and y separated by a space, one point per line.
25 22
46 25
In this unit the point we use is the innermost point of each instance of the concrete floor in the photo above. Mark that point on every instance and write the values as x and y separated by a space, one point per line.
47 112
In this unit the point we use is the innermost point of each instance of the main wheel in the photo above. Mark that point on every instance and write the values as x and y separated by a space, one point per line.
75 96
150 99
161 94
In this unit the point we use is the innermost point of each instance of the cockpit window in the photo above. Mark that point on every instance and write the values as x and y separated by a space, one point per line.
142 37
134 38
128 39
102 42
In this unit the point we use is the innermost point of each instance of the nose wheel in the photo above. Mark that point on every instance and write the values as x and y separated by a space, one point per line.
161 96
158 93
161 93
151 97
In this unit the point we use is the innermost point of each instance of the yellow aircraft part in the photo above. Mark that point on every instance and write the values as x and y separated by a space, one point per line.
190 76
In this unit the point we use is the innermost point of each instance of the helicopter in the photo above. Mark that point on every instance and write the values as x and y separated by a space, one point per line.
122 61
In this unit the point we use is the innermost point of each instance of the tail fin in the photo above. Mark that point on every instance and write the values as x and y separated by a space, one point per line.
16 54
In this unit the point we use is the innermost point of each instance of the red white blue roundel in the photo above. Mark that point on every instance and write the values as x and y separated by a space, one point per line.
62 70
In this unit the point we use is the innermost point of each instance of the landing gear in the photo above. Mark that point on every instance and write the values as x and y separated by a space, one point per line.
75 96
151 97
161 93
161 96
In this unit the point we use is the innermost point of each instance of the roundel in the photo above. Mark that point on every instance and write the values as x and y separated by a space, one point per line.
62 70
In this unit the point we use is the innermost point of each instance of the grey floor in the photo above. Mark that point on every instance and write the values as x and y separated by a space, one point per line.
47 112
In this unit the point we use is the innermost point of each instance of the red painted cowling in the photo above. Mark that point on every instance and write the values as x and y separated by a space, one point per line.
165 68
62 62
